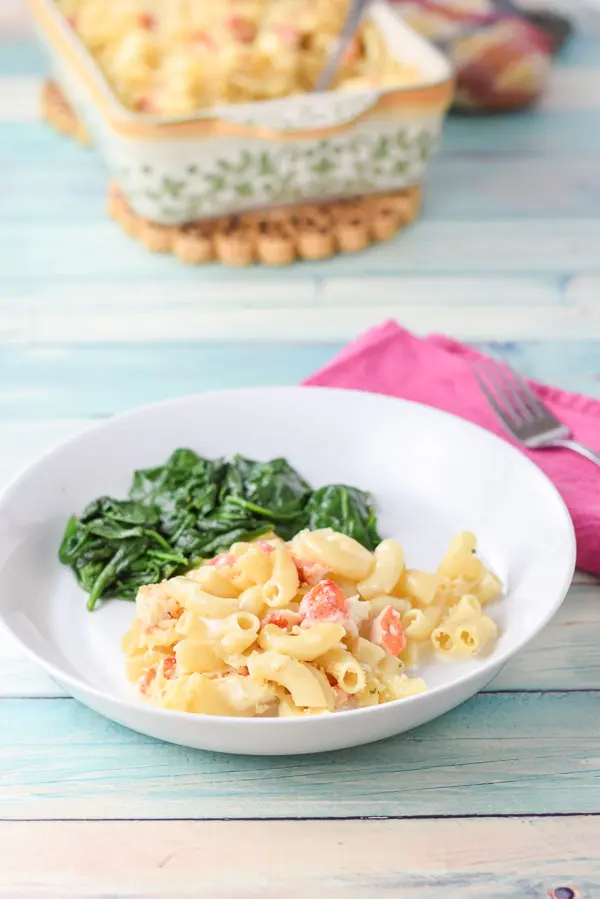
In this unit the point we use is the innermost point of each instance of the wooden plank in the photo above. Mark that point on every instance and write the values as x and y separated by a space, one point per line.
334 310
140 297
19 96
570 89
487 859
306 323
517 754
565 656
540 246
62 381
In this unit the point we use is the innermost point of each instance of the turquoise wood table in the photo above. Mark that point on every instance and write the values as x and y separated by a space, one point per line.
499 799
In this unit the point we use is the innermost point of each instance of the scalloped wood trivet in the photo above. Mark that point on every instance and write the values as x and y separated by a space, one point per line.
272 237
59 114
277 236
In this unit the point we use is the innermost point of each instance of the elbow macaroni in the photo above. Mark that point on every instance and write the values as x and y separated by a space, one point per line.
184 56
389 563
246 634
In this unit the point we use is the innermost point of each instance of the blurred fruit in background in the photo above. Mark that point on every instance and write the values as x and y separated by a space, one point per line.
502 55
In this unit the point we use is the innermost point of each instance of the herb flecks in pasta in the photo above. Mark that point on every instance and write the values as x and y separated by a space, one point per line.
192 508
275 628
171 59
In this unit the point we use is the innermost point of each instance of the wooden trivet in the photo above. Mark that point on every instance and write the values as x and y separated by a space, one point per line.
279 236
272 237
58 114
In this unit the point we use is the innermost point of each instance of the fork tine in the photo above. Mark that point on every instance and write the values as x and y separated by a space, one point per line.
491 398
489 371
535 403
507 375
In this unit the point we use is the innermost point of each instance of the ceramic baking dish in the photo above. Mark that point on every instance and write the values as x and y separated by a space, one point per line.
231 158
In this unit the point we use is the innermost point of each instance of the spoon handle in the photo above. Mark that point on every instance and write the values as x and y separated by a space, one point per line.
355 14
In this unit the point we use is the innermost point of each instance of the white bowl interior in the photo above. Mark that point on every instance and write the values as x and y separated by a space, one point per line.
431 474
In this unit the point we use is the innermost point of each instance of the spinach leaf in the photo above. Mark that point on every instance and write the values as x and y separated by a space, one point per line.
272 490
192 508
121 511
186 481
347 510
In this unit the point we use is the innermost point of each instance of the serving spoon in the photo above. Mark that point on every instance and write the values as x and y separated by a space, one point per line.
353 18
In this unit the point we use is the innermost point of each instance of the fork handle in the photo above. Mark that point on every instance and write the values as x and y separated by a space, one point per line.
579 448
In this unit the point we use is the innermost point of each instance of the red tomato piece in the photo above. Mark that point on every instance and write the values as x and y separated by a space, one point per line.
242 30
387 631
289 34
325 602
147 21
169 666
225 559
145 104
266 547
203 38
147 678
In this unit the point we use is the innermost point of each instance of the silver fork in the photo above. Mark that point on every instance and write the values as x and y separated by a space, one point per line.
521 412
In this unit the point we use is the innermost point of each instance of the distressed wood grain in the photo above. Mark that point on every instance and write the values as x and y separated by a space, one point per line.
506 251
429 246
276 292
330 324
522 754
262 307
479 859
91 380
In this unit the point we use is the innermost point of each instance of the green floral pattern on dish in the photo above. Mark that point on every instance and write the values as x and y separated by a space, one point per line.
289 173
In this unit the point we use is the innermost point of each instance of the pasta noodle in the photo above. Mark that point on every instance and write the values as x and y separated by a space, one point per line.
310 627
173 58
389 563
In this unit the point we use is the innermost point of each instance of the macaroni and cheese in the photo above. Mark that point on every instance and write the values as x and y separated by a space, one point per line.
315 625
173 57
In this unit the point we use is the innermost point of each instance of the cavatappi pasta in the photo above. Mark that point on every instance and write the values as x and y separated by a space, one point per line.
173 57
312 626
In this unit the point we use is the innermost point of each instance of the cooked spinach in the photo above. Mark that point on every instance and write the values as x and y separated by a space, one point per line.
192 508
346 510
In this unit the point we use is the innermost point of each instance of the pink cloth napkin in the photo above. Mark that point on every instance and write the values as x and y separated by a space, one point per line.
437 371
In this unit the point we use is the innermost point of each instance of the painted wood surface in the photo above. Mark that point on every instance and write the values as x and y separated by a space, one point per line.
505 256
481 859
515 753
510 224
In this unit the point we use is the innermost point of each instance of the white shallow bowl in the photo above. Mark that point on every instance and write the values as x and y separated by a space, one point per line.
431 474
